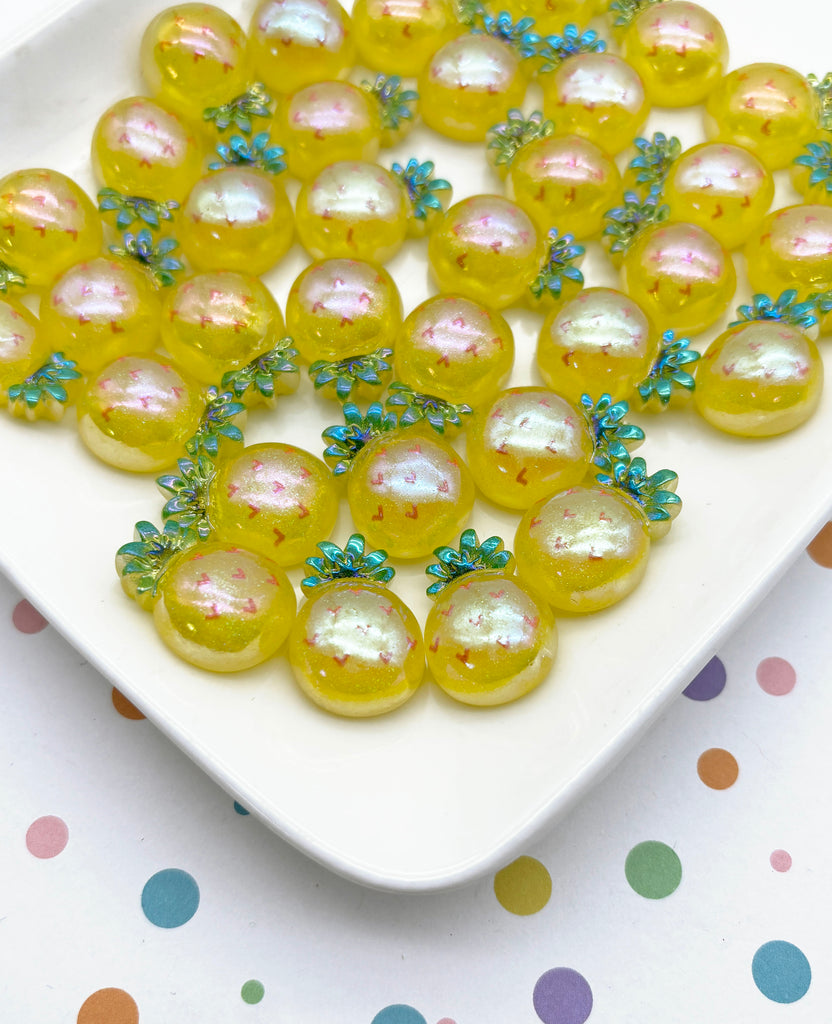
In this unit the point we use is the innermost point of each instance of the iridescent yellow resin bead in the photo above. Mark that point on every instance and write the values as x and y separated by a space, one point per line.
526 444
767 108
455 349
551 16
276 499
47 223
760 379
409 493
600 342
792 248
194 56
353 210
224 609
680 52
487 249
23 346
356 649
722 188
469 84
102 309
679 274
490 639
294 43
598 96
219 321
142 149
237 218
398 37
137 413
327 122
565 181
340 308
585 548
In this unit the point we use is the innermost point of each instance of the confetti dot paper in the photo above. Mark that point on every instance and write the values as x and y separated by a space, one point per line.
27 619
124 707
781 972
653 869
562 996
46 837
820 550
776 676
717 768
524 886
399 1013
252 991
709 683
170 898
109 1006
780 860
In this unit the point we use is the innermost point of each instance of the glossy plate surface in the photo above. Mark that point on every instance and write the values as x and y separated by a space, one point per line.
436 793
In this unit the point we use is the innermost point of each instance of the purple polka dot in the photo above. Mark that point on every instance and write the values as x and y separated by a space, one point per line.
562 996
709 683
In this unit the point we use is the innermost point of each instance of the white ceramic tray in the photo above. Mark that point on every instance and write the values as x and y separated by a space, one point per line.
436 793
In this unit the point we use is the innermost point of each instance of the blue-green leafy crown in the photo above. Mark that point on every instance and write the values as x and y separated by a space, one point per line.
421 186
45 382
357 431
612 435
786 309
238 113
418 406
190 494
654 159
470 556
668 373
257 153
635 213
516 34
154 257
350 562
656 494
508 137
558 266
823 91
10 278
347 374
624 11
129 209
555 49
818 158
215 424
261 373
150 553
395 103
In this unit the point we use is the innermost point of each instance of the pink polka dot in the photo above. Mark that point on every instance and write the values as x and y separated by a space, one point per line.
776 676
446 1020
28 619
780 860
46 837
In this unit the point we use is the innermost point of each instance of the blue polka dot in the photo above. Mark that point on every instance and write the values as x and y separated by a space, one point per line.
709 683
170 898
781 972
398 1013
239 808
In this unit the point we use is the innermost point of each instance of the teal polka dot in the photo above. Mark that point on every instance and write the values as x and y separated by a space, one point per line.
781 972
398 1013
252 991
170 898
239 808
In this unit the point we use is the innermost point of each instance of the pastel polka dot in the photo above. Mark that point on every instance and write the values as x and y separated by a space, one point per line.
780 860
170 898
109 1006
47 837
27 619
776 676
239 808
562 996
252 992
524 886
781 972
717 768
820 549
124 707
398 1013
709 683
446 1020
653 869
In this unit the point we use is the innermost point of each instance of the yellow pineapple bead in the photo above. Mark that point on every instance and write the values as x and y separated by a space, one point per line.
340 308
223 608
398 37
102 309
137 412
455 349
487 249
767 108
294 43
811 173
759 379
218 321
679 50
47 223
142 149
553 15
23 345
353 210
792 248
722 188
194 56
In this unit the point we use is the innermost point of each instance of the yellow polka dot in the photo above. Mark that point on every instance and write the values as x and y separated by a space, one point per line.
524 886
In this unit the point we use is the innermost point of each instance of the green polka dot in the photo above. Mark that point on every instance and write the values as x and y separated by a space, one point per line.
252 992
653 870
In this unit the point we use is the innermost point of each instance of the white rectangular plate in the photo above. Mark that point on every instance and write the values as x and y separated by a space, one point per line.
436 793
